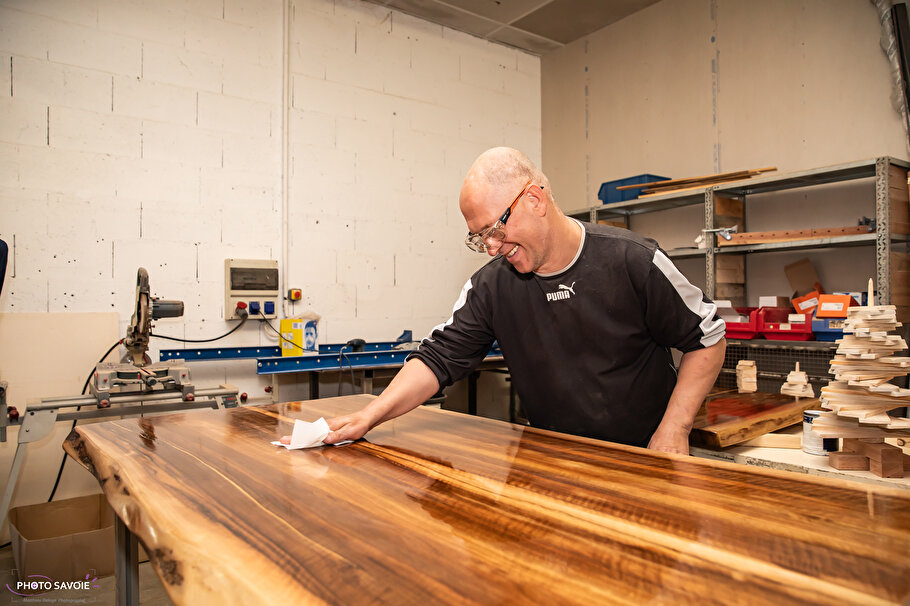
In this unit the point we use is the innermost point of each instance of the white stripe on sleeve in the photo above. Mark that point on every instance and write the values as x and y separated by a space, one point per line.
458 305
712 330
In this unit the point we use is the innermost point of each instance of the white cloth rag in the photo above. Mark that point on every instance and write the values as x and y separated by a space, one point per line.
309 435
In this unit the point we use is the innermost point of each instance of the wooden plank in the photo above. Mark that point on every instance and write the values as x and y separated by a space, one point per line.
704 178
451 509
736 418
775 440
791 235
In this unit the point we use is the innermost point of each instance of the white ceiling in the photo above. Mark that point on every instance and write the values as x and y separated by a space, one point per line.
537 26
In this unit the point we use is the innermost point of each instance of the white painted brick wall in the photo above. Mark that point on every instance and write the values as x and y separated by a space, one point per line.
85 46
182 67
235 115
165 152
142 21
23 122
80 130
141 98
181 144
23 33
44 82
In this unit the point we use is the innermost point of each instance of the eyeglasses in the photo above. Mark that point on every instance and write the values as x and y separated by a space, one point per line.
478 242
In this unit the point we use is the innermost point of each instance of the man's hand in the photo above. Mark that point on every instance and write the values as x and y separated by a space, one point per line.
413 384
670 440
697 371
349 427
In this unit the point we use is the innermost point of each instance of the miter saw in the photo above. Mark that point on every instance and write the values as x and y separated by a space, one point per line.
137 374
134 387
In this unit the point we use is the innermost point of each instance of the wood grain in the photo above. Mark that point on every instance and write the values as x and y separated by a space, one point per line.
732 419
438 507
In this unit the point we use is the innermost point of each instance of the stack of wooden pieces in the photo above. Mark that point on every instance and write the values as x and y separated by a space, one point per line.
797 385
661 187
746 376
860 394
882 459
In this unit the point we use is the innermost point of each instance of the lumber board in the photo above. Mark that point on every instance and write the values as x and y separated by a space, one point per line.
791 235
708 179
733 419
445 508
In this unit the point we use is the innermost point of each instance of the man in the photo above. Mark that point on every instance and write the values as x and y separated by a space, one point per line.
584 314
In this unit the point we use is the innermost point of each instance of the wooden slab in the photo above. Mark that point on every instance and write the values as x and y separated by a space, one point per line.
732 419
444 508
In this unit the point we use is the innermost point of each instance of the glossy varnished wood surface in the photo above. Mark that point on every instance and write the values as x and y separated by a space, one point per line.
439 507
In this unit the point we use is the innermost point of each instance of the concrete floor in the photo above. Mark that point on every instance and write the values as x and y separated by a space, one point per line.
151 592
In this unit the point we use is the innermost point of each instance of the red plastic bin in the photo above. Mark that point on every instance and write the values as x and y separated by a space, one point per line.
774 323
744 330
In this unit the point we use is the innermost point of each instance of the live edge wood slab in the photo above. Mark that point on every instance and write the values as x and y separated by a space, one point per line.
730 419
438 507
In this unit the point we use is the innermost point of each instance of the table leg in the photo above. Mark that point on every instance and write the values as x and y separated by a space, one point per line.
472 392
314 385
127 565
368 380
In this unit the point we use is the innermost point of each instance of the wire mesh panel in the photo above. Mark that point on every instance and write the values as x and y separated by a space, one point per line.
775 359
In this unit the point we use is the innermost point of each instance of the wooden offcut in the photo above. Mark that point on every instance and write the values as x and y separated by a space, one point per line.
732 419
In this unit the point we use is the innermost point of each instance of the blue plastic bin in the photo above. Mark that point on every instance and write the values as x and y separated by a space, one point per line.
609 194
828 329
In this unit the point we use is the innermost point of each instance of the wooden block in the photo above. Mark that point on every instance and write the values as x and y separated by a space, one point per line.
906 462
887 468
883 452
730 276
619 224
848 461
729 291
858 445
737 262
731 207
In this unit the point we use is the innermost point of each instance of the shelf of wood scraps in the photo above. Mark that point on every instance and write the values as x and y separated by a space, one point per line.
867 239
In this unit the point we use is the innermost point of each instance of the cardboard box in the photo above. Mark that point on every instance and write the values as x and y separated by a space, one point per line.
63 540
803 277
807 303
833 306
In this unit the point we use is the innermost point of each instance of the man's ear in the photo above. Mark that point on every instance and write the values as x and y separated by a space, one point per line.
538 200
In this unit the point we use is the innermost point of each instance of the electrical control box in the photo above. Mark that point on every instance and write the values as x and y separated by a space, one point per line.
253 282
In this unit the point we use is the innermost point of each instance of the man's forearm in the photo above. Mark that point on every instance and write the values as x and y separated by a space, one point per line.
697 372
414 384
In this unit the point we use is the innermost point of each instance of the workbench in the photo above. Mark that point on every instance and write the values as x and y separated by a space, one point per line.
440 507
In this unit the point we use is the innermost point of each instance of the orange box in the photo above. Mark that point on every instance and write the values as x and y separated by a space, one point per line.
833 306
806 303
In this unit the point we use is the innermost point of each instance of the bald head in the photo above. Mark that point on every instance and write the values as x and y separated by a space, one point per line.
496 172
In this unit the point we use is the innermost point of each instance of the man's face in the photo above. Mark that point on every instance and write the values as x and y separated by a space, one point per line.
483 206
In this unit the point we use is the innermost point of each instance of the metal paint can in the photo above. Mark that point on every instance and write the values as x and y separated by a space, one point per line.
812 442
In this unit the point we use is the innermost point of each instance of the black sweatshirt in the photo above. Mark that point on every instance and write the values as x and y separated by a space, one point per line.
588 347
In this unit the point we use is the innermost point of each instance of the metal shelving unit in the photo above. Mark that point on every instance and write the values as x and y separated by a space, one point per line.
777 357
882 239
